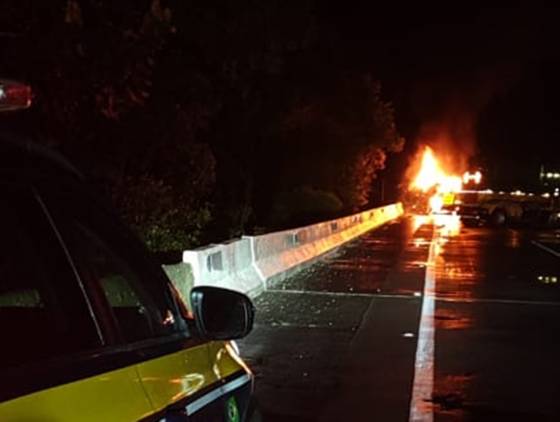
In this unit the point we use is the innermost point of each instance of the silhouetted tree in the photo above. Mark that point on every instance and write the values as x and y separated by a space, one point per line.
201 118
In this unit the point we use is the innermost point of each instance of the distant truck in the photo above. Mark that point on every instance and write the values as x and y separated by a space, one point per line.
500 209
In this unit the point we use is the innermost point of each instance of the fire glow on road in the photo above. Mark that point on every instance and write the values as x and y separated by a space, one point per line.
421 407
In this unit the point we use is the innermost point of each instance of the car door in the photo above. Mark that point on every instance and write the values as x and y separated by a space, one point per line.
53 357
173 366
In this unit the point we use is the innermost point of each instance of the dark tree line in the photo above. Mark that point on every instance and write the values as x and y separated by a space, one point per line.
202 119
520 125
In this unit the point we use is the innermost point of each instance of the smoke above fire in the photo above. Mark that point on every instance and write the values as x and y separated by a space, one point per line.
449 106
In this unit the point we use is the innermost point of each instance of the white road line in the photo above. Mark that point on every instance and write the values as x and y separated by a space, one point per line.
545 248
342 294
421 409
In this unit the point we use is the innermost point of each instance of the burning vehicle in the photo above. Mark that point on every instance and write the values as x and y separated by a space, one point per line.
435 191
502 208
431 186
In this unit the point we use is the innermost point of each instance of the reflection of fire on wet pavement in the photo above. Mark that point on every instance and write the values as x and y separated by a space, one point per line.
449 397
346 328
451 319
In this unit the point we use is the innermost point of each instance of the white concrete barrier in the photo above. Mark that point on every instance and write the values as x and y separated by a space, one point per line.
228 265
251 263
278 254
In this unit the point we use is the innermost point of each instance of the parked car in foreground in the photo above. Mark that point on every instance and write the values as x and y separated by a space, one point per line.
92 328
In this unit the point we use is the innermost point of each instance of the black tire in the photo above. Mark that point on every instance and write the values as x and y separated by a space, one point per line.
498 218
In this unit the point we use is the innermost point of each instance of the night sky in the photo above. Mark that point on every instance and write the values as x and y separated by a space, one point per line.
481 83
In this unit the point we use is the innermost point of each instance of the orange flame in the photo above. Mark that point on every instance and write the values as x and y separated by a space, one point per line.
432 176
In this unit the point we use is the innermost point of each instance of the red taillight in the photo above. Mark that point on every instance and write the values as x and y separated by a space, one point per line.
14 95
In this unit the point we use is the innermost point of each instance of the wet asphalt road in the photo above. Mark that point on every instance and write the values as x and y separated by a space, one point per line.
339 341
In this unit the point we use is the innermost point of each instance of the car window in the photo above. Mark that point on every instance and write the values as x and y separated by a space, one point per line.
113 265
43 312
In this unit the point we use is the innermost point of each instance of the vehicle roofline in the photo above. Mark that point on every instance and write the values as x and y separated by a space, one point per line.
34 149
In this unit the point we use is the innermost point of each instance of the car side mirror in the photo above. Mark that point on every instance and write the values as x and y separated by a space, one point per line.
221 314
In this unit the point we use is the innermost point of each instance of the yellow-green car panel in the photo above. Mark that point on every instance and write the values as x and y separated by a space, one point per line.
112 396
174 377
225 360
171 378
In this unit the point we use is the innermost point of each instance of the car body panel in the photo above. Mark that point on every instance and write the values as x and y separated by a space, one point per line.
225 360
175 380
121 380
143 391
174 377
112 396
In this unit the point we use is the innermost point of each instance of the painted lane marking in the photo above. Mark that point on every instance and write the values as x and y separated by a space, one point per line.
344 294
546 248
420 406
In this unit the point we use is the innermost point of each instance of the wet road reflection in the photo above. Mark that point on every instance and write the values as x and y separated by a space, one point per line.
490 343
452 319
495 264
368 264
338 341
